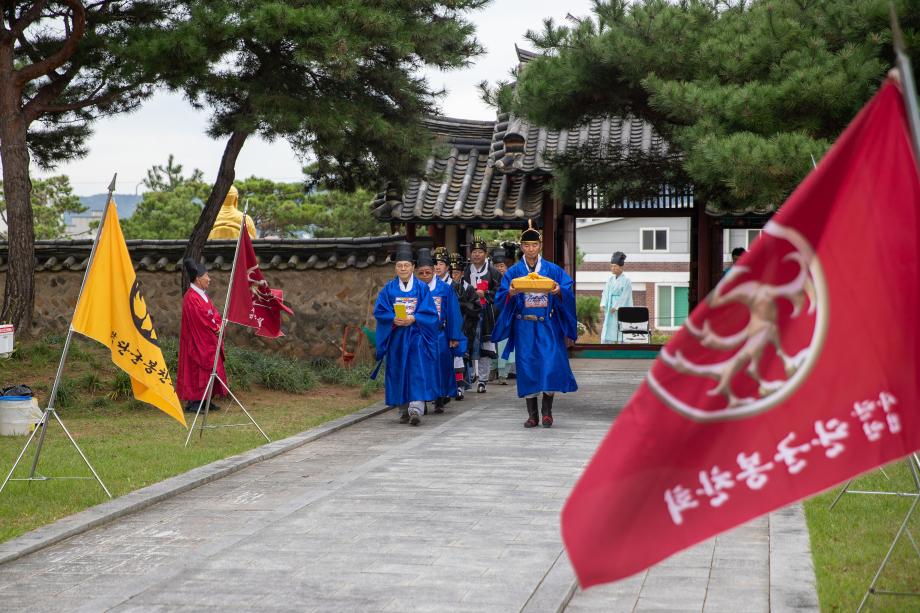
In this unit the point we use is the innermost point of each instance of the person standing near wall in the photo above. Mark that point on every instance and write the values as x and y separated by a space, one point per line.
617 294
485 280
407 336
198 341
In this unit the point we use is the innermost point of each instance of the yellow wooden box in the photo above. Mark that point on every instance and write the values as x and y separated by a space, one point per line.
533 283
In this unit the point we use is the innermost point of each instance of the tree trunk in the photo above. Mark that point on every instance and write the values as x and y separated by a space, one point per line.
19 293
225 176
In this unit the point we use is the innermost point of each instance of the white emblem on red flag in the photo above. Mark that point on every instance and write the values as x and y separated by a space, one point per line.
755 339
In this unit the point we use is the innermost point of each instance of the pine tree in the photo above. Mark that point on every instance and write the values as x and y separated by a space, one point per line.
337 78
63 64
746 92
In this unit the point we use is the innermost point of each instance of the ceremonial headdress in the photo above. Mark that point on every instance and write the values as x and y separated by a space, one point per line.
478 243
403 253
424 257
456 262
498 255
441 255
531 234
193 269
618 258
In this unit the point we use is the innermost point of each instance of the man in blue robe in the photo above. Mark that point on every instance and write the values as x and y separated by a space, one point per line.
537 326
409 344
450 327
617 294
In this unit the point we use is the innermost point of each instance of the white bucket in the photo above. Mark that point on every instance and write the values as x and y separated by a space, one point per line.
18 415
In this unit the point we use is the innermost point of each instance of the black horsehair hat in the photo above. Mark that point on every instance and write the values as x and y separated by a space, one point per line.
618 258
424 257
531 234
403 253
193 268
498 255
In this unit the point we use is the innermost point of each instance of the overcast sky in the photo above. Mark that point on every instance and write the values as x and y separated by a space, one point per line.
130 144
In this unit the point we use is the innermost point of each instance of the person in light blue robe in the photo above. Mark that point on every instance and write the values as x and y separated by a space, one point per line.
408 345
617 294
450 327
537 326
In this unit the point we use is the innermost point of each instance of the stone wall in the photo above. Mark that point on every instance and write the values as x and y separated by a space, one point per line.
326 295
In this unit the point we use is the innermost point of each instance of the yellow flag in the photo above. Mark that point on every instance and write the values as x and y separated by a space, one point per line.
112 310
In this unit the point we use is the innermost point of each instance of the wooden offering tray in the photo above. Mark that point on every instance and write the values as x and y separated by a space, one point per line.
533 283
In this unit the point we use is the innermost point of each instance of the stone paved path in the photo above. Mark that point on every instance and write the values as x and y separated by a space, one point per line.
460 514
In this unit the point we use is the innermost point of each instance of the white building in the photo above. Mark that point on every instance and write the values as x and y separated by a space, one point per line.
657 261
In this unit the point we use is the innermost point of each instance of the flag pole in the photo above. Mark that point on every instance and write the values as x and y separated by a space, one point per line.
908 85
50 411
909 95
206 400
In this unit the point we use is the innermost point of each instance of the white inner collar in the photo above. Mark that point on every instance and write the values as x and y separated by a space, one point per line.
433 283
200 292
537 267
406 287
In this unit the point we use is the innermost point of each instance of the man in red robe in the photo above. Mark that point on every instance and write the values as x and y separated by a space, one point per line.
198 341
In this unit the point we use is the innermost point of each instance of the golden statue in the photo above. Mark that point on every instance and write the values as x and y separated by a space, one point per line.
227 224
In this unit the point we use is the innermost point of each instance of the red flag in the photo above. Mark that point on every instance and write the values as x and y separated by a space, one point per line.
797 372
252 302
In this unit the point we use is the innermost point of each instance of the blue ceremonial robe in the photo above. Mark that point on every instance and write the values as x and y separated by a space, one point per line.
410 351
450 329
539 345
617 293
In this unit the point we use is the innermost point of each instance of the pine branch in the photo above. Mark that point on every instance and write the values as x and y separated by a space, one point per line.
67 50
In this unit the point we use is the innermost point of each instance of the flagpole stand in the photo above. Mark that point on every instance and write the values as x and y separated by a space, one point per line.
205 404
41 428
913 462
208 390
846 490
49 411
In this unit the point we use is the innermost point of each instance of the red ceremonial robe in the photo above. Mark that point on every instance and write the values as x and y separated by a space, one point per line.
197 344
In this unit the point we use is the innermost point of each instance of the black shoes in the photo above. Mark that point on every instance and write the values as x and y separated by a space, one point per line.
414 419
460 395
532 415
547 410
404 418
192 407
481 388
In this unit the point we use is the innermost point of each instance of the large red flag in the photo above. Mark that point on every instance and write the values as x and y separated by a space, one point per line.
797 372
252 302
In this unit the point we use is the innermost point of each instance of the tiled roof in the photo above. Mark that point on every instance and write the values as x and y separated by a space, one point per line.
279 254
497 172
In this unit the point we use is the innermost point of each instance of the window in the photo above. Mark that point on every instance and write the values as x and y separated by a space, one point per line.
672 305
749 237
653 239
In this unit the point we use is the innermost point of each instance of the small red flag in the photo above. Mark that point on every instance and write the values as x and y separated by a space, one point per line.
252 302
797 372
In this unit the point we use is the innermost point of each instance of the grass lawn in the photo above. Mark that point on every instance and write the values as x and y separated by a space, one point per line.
849 543
132 445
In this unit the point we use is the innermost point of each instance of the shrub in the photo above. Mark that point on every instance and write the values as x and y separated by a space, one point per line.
120 386
91 382
587 310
